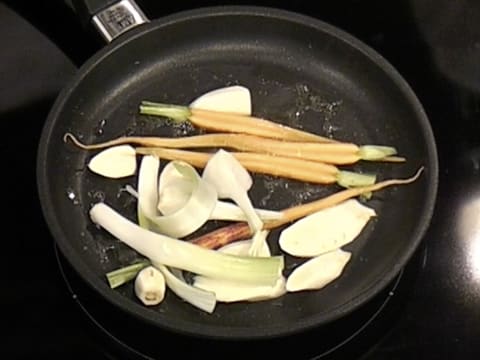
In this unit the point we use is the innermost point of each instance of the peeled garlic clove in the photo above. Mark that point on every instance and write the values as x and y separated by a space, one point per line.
150 286
114 162
235 99
318 272
326 230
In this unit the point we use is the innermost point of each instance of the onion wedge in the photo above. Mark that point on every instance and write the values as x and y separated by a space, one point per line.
231 180
201 299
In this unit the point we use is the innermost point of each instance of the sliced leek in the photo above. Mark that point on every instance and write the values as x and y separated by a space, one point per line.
123 275
189 218
185 255
231 291
202 299
175 189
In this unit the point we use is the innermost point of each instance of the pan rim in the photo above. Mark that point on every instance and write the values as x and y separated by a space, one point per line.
223 331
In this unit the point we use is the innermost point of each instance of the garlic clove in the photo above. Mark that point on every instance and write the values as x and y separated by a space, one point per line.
114 162
150 286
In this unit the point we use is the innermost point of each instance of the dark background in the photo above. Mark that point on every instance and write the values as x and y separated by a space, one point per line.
434 312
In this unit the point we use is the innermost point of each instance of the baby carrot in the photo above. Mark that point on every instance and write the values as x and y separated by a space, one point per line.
240 231
330 153
229 122
291 168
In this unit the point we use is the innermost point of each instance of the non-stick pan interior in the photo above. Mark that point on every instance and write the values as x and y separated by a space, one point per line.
300 72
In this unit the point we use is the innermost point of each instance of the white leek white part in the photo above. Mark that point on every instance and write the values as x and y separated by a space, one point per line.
232 181
235 99
150 286
184 255
242 247
231 291
318 271
185 220
202 299
174 197
174 190
326 230
114 162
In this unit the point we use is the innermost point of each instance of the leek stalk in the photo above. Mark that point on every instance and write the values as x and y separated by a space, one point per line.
185 255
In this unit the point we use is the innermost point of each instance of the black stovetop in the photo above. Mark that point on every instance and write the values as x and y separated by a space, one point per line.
431 310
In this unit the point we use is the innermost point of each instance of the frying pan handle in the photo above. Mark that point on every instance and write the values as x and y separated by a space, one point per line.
111 18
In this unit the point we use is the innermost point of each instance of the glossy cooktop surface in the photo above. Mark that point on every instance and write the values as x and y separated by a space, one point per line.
430 310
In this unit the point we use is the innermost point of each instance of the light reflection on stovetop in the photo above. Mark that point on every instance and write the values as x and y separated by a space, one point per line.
351 337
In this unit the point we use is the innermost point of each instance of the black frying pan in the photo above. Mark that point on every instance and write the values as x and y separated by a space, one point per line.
301 72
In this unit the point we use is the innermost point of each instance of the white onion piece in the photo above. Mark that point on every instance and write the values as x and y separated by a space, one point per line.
114 162
189 218
232 181
326 230
234 99
318 271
